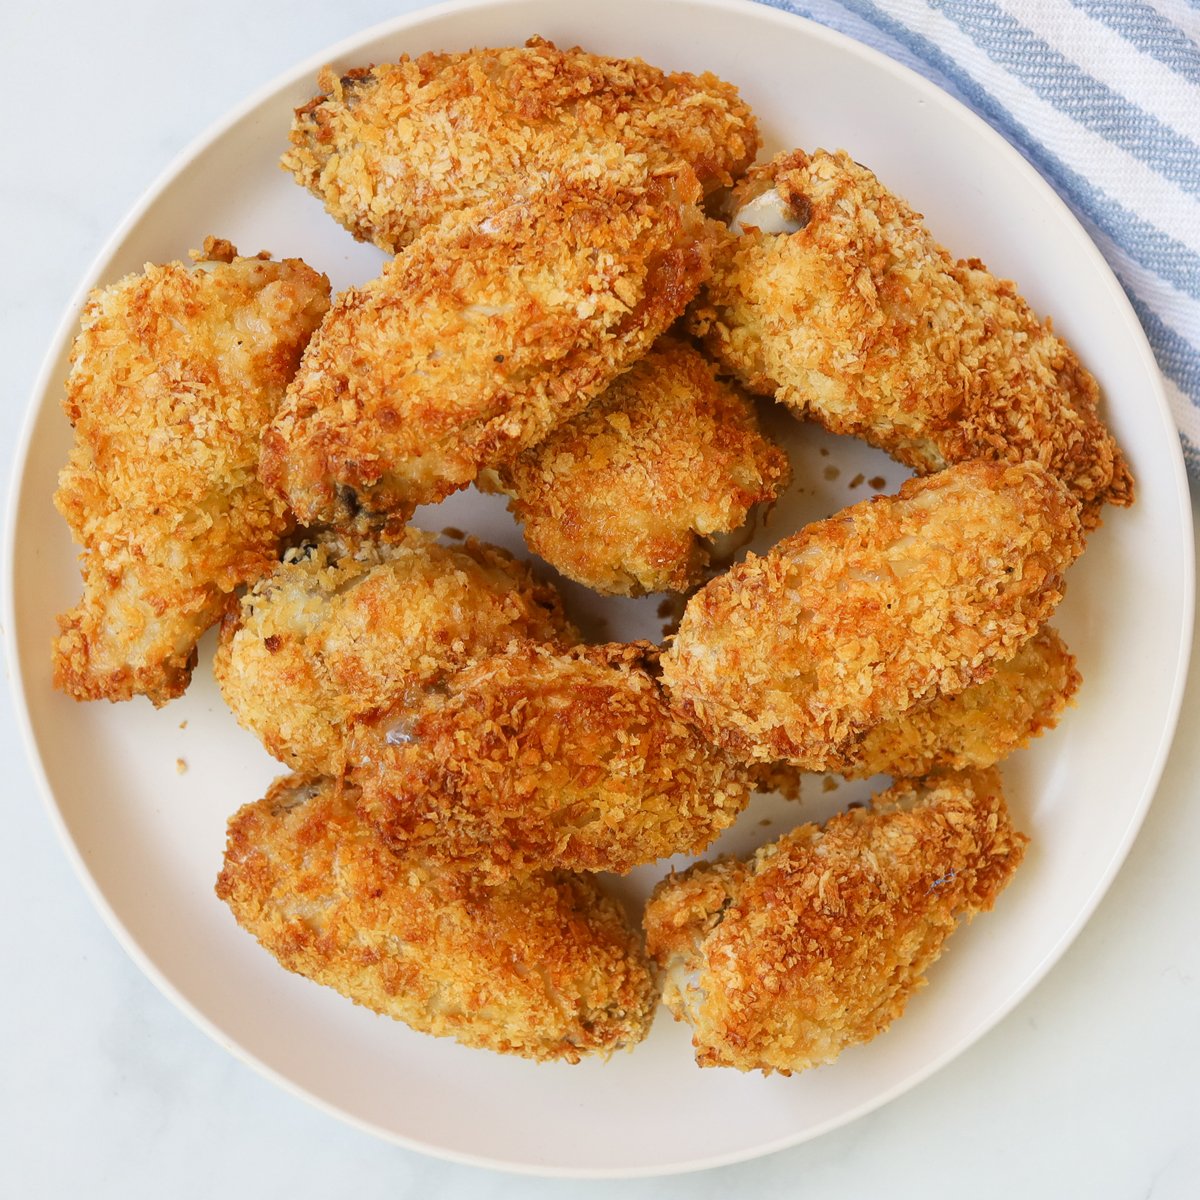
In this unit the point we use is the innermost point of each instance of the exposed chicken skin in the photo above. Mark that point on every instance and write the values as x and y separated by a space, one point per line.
536 758
818 942
622 497
836 300
345 625
173 374
546 967
484 334
855 619
393 148
978 726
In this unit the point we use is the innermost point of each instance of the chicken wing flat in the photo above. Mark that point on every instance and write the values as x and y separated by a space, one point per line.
536 758
173 375
485 333
343 626
855 619
819 941
978 727
546 967
393 148
836 300
622 497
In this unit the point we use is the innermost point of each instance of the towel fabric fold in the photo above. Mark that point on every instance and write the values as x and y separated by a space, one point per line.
1103 98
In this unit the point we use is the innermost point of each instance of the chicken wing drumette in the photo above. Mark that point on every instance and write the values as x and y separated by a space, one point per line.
343 626
546 967
818 942
484 334
624 497
836 300
538 758
173 375
856 619
393 148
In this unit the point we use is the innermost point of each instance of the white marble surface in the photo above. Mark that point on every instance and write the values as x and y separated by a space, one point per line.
1090 1088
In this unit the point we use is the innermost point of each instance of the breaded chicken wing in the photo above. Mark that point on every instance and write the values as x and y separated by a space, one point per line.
622 497
546 967
979 726
393 148
818 942
485 333
537 758
343 626
836 300
891 602
173 375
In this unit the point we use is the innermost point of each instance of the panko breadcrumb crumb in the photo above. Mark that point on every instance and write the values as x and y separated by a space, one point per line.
345 625
174 373
855 619
819 941
546 967
396 147
484 334
538 758
840 304
624 497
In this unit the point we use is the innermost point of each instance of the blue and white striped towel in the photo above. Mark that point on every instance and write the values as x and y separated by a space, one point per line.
1103 98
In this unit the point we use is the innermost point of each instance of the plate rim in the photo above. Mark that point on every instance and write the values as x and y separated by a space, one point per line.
40 395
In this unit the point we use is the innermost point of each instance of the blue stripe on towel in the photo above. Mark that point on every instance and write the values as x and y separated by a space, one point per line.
1142 241
1073 91
1149 31
1176 355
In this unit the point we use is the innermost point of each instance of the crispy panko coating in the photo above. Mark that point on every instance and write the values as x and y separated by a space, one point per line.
546 967
855 619
344 625
538 758
622 498
173 375
484 334
861 320
818 942
975 728
393 148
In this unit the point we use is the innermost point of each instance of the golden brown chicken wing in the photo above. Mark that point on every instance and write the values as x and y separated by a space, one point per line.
484 334
546 967
173 375
836 300
818 942
623 497
346 625
978 726
537 758
855 619
393 148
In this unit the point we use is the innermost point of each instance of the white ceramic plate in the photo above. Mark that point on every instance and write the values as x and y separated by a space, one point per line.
147 841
